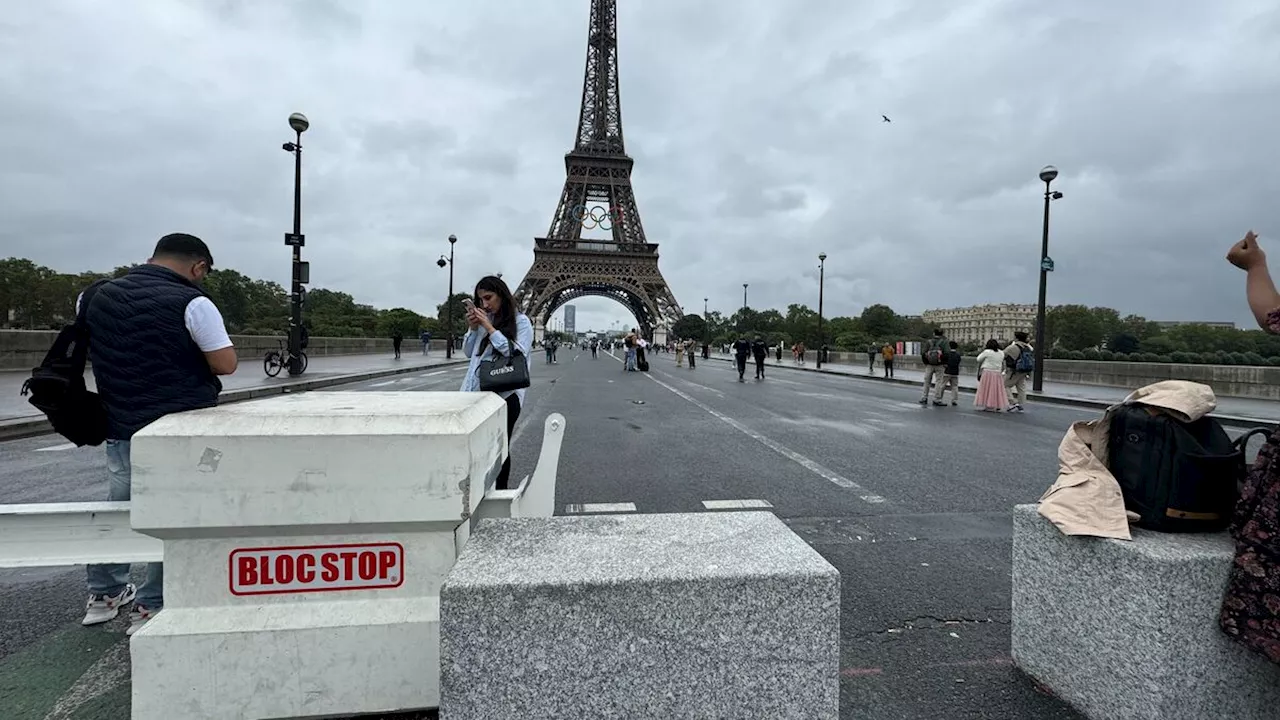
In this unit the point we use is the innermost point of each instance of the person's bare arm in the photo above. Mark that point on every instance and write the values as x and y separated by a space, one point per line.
1260 289
222 362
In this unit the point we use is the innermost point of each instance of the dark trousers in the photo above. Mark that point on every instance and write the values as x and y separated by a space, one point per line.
513 414
396 344
742 364
760 366
692 362
888 368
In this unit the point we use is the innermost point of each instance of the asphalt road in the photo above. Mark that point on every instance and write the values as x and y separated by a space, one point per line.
911 504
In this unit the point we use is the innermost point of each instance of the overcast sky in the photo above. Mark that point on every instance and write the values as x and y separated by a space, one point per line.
755 126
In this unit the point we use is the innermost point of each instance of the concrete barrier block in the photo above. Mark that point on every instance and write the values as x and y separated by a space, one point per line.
1130 629
720 615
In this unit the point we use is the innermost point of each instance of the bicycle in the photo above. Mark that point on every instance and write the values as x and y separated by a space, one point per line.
276 360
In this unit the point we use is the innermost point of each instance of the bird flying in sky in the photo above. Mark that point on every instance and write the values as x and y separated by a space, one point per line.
886 118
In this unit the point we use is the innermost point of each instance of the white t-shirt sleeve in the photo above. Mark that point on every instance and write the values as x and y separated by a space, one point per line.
205 324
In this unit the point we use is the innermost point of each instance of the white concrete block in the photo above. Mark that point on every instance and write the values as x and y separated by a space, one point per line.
314 459
311 659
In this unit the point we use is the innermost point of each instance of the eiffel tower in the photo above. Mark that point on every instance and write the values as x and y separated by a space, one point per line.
597 194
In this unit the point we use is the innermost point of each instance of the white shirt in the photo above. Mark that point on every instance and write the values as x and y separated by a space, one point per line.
204 323
991 360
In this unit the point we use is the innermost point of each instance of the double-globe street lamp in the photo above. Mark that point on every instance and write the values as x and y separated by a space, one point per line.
822 272
448 304
295 239
1047 175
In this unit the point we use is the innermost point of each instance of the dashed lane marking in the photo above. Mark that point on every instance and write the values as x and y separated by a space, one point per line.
735 504
823 472
383 383
578 508
57 448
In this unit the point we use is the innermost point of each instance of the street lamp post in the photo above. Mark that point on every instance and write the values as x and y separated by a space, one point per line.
822 272
1047 174
296 240
744 296
448 304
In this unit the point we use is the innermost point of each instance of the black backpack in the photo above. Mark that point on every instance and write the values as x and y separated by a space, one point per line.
57 388
1178 477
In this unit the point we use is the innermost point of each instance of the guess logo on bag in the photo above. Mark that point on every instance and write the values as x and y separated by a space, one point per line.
501 371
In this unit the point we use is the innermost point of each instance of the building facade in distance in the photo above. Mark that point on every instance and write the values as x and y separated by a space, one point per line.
983 322
570 320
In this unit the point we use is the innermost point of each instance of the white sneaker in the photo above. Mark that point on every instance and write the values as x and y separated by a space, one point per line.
102 608
138 617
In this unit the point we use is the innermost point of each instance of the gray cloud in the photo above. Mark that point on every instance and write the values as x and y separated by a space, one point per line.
755 127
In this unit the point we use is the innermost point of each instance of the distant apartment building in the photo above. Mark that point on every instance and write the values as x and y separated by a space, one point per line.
570 319
1166 324
983 322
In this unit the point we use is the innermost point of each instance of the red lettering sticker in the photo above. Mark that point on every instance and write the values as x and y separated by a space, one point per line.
315 568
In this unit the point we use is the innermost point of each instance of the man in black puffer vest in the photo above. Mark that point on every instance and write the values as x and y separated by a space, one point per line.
157 344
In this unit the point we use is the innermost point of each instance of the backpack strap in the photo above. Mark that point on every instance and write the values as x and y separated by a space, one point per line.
80 337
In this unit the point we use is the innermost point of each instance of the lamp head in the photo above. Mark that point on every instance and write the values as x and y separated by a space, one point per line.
453 239
442 262
822 257
1048 173
299 122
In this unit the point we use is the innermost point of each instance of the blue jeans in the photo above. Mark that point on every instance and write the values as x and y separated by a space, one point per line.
629 360
111 579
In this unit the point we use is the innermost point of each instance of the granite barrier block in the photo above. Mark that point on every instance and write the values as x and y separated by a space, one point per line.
706 615
1129 630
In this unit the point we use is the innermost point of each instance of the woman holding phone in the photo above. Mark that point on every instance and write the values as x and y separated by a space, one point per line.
496 328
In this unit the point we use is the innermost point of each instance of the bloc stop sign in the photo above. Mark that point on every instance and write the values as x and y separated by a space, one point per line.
316 568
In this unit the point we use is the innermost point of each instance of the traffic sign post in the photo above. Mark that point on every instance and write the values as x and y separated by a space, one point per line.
306 538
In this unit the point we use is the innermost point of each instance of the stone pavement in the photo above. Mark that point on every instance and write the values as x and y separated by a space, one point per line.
250 376
1246 410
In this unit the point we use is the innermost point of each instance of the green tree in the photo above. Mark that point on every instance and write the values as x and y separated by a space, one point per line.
1124 342
407 322
689 327
1073 327
882 322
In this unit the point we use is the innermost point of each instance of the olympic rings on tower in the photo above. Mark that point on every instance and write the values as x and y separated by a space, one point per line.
597 217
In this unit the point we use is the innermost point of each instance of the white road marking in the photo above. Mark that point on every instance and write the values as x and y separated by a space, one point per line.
383 383
735 504
433 374
804 462
56 448
577 508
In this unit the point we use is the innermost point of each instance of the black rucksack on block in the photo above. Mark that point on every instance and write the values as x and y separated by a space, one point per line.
57 388
1178 477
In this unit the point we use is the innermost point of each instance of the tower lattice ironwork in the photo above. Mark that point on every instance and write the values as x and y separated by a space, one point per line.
598 194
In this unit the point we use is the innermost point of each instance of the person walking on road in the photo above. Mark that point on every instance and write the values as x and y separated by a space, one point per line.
991 395
595 347
426 341
158 345
778 351
759 351
690 349
872 351
1020 360
951 378
934 356
396 338
679 354
496 328
741 349
887 354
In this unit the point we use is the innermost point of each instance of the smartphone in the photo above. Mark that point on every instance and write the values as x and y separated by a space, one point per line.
468 304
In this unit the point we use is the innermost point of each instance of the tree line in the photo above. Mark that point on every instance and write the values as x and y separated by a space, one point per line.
35 297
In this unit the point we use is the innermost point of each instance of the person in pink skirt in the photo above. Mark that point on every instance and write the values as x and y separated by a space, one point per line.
991 396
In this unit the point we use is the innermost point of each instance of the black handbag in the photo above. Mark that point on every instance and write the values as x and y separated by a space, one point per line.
501 374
